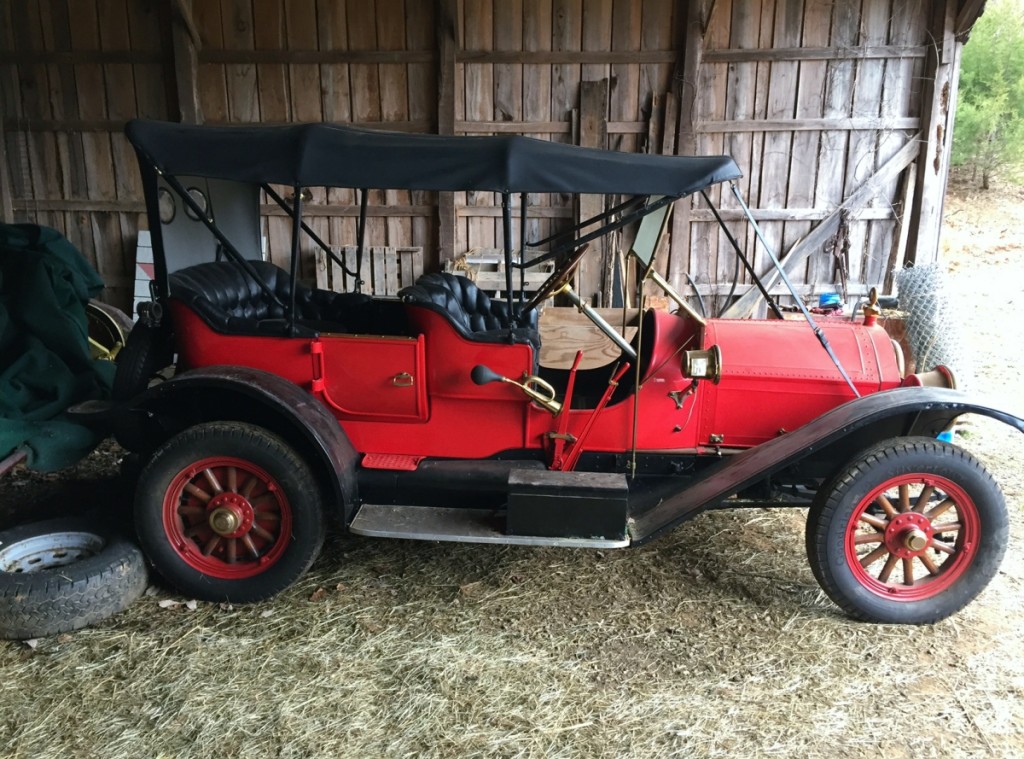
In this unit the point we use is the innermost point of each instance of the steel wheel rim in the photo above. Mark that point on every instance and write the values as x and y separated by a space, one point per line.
912 537
55 549
227 517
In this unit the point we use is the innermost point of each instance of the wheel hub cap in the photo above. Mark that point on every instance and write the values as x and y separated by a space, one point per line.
915 540
231 515
908 534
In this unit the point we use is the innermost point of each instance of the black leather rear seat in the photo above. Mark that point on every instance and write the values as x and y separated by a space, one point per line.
230 301
472 312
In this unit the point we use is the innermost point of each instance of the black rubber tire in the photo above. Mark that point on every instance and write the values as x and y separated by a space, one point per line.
147 351
837 500
62 598
248 443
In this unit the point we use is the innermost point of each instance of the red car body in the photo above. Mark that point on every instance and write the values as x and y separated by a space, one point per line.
413 395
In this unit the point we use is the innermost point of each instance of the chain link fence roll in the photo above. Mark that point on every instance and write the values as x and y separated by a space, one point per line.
933 331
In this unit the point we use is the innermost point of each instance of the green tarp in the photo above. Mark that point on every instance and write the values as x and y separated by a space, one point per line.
45 365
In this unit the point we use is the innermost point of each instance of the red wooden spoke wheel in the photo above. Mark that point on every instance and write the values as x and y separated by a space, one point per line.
227 517
912 537
227 511
908 532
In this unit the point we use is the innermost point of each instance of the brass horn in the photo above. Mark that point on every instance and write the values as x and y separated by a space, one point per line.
545 395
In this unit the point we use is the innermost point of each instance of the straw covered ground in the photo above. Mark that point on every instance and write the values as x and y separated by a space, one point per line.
712 642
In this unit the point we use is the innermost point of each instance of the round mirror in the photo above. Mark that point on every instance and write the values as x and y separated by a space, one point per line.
165 201
200 199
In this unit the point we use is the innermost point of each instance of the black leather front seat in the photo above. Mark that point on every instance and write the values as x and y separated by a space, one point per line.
473 313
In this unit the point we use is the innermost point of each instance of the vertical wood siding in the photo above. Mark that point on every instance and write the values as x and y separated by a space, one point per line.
811 97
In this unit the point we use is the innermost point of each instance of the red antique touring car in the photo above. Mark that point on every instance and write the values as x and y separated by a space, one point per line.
429 416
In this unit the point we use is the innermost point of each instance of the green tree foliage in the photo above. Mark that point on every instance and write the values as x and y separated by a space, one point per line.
989 133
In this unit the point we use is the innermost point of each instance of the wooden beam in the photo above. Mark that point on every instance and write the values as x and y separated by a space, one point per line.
114 125
783 54
790 214
183 13
320 209
6 200
69 205
185 46
590 277
627 127
903 211
533 212
543 127
70 57
316 57
686 139
812 241
70 125
509 57
413 127
446 15
515 127
866 124
938 105
566 57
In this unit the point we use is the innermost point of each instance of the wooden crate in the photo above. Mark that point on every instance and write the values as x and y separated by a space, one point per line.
486 267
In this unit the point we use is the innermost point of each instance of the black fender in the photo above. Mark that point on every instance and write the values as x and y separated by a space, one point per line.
237 393
853 426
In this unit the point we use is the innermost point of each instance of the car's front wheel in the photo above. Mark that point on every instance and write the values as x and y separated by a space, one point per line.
909 532
227 511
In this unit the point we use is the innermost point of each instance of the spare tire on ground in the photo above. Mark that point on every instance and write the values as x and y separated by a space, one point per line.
63 574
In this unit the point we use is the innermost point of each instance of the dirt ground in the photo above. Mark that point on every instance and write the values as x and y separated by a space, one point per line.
712 642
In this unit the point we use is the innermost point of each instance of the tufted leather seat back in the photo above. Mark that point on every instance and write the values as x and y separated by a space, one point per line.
468 306
229 300
228 289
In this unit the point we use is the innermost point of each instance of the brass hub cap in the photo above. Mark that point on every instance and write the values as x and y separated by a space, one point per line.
230 515
915 540
908 534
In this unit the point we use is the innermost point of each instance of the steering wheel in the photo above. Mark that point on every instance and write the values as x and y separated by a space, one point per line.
558 279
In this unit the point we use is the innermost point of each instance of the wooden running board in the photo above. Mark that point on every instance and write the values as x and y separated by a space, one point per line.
456 525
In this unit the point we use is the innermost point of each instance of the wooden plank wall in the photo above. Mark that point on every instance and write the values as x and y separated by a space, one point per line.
71 74
518 69
369 63
521 67
791 88
810 97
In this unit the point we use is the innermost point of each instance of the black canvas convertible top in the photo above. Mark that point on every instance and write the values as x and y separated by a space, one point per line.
329 155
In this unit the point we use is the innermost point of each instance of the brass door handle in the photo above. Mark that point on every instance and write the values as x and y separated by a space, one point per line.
403 379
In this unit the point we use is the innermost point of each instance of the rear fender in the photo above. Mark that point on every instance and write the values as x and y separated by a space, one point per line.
234 393
834 436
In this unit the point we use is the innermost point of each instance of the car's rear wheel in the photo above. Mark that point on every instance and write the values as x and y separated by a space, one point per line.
909 532
228 511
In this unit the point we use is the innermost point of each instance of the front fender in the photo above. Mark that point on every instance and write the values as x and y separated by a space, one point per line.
236 393
891 413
